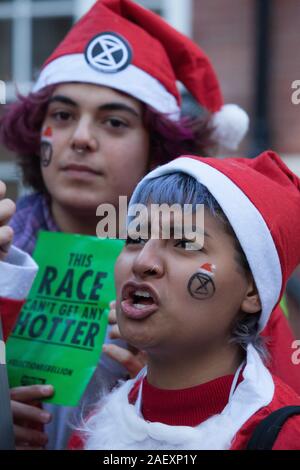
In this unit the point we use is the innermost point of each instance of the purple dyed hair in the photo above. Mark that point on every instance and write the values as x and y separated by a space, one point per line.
21 124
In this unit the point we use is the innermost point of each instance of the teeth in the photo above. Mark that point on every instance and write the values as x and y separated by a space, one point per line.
139 306
142 293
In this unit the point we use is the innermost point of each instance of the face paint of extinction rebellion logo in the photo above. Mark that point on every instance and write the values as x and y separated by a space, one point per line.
201 286
46 147
108 52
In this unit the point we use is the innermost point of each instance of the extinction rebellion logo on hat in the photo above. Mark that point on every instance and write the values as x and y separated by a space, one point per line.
108 52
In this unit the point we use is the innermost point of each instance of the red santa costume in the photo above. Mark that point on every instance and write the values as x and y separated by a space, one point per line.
263 195
17 273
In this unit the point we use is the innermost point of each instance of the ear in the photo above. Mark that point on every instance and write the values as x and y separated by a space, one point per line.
251 302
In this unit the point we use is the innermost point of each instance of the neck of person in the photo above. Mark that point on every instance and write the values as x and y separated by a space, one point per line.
83 222
178 372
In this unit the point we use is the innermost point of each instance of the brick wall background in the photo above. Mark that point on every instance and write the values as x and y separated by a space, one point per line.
227 32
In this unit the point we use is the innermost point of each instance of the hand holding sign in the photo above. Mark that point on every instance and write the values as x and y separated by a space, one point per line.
28 417
59 333
7 209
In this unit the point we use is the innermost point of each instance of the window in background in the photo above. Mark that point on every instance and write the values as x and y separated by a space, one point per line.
29 32
5 49
53 30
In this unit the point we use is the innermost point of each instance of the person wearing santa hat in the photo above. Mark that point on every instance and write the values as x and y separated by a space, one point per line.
198 311
105 105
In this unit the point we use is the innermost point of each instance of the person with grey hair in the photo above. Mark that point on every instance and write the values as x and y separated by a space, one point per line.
195 296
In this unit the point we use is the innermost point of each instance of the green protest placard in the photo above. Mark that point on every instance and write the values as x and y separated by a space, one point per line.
60 331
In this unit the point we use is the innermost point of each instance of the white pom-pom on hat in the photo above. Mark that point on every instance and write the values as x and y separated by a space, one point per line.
230 125
150 57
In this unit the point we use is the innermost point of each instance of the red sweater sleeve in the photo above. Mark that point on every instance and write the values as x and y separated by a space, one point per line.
289 435
17 273
9 311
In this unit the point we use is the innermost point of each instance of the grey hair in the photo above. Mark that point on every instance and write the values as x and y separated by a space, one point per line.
181 188
245 331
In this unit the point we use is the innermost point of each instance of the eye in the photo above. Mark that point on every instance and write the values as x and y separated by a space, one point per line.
182 244
133 241
61 116
188 245
116 123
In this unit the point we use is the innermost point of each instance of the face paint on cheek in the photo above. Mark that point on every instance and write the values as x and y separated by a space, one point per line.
46 149
201 285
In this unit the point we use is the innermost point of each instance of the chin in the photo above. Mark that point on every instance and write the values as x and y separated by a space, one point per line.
137 336
80 201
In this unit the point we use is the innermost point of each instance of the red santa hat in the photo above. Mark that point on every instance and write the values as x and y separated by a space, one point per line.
261 199
124 46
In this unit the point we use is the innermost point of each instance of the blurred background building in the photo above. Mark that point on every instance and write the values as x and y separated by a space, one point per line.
253 45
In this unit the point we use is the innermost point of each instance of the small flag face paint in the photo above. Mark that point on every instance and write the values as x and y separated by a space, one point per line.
47 133
46 147
201 285
207 268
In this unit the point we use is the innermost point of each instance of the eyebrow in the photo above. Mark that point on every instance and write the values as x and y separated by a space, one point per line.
194 228
172 229
105 107
62 99
118 107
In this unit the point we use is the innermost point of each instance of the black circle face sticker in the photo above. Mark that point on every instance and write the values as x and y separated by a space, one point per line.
201 286
108 53
46 153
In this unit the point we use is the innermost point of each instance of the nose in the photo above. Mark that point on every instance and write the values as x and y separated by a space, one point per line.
149 262
84 139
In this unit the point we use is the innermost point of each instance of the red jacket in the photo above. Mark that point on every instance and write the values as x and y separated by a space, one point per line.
9 311
280 338
289 435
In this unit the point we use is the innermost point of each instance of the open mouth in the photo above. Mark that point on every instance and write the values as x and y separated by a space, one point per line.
141 299
138 302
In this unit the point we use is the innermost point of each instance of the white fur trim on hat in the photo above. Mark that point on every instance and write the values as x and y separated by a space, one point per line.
247 222
17 274
230 125
132 80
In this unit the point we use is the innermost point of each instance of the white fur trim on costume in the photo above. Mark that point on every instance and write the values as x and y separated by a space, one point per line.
17 273
119 425
132 80
2 353
247 222
230 126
